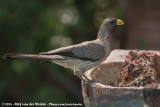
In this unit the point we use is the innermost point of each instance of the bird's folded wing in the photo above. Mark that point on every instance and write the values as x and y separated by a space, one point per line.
88 51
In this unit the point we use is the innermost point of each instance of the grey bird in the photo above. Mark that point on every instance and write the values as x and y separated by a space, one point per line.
80 57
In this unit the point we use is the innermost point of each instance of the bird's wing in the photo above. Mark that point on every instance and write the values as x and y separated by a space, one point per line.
89 51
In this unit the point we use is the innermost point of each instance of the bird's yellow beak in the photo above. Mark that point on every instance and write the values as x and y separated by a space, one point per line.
120 22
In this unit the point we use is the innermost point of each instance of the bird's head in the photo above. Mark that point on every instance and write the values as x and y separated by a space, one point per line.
110 24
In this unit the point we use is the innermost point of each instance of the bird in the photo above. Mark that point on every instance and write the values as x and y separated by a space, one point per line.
79 57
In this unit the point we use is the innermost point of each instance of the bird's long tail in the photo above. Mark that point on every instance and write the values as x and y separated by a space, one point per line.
12 56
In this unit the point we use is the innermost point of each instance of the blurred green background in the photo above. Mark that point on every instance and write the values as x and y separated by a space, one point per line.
33 26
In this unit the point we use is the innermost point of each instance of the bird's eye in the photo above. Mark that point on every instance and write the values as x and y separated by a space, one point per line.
112 22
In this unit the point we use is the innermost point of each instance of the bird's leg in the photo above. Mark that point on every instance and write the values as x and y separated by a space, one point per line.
80 76
83 77
86 78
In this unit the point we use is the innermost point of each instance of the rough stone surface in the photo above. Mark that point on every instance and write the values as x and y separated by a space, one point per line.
105 93
140 69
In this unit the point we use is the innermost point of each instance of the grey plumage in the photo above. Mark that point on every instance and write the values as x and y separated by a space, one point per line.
80 57
81 51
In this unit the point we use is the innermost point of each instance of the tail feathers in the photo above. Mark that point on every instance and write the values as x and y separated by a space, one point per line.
9 56
13 56
43 53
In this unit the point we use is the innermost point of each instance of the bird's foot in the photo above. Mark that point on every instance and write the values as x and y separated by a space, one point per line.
87 80
83 78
